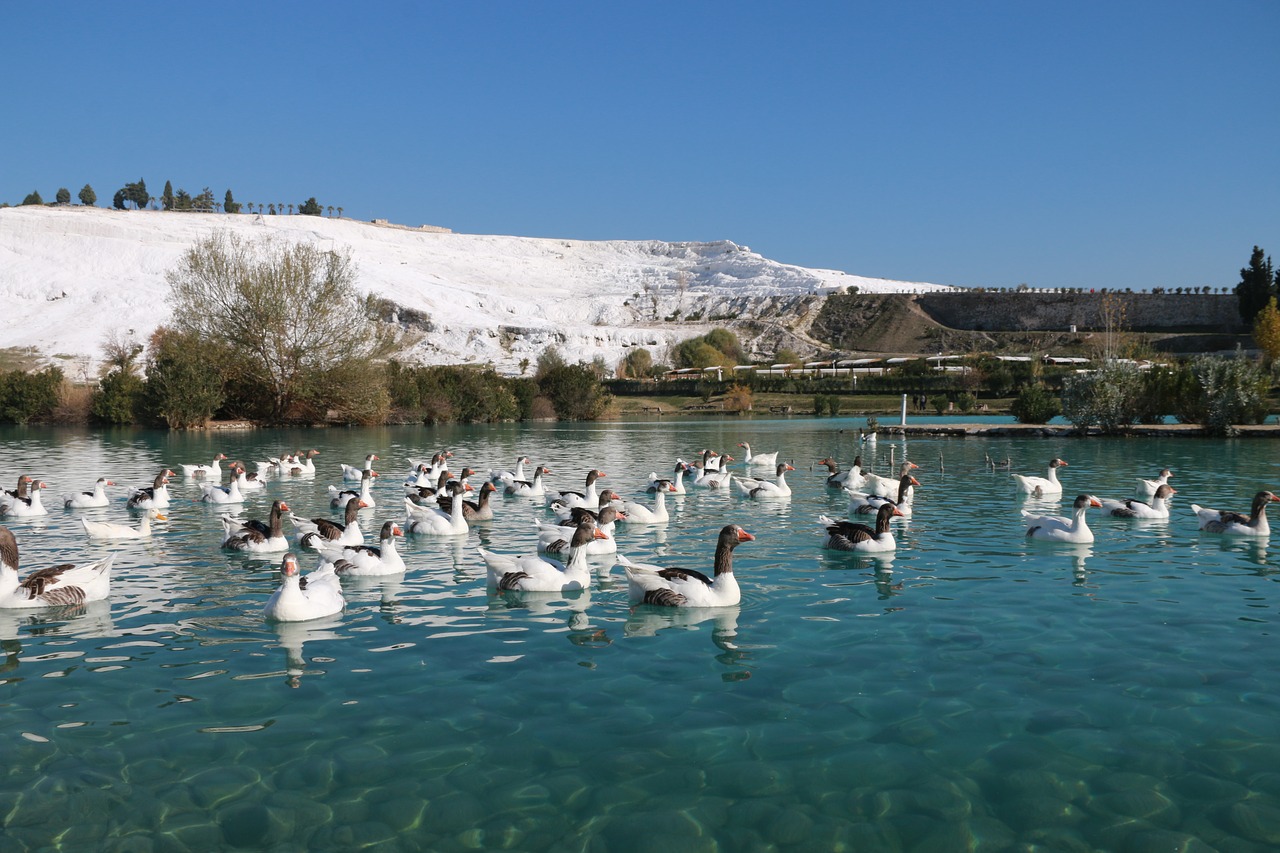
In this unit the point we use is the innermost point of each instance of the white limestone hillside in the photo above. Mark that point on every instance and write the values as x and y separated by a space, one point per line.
70 275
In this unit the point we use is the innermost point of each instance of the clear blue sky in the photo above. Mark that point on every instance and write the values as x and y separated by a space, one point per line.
1058 144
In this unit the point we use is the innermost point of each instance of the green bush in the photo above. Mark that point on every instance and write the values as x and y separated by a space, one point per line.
444 394
183 387
1228 391
1035 405
828 404
574 391
118 398
719 347
26 397
1108 398
966 402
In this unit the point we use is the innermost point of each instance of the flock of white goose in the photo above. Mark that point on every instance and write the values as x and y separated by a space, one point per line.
435 504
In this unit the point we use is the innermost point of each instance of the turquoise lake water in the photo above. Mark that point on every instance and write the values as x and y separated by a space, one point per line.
974 692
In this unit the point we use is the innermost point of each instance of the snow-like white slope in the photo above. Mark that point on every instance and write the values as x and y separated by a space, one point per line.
69 276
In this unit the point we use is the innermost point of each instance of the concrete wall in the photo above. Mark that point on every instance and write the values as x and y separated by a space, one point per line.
1057 312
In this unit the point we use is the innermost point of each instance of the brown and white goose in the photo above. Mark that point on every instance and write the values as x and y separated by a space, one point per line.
55 586
1133 508
254 536
677 587
851 536
862 503
318 532
1236 524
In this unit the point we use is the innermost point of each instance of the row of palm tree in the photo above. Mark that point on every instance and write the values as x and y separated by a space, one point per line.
269 209
272 209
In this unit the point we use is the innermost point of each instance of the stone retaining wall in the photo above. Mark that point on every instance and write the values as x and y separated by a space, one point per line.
1035 311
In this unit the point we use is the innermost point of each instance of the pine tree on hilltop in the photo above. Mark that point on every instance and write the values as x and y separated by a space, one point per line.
310 207
63 196
88 197
136 193
33 197
166 197
1257 285
229 204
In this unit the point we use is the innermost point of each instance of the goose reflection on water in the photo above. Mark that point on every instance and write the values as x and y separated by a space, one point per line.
876 568
293 636
92 619
1252 550
569 608
648 620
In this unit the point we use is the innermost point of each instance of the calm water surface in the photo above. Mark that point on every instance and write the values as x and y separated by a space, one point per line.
973 692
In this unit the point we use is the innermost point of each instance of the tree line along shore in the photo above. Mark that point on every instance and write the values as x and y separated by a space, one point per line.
230 353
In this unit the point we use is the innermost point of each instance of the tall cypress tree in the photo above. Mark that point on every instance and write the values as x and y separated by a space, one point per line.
229 204
166 199
1257 285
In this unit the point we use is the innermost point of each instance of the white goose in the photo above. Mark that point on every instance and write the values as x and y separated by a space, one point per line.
303 465
318 532
535 573
366 560
154 497
1045 486
766 460
713 479
301 598
837 479
757 489
84 500
676 587
1131 508
340 497
438 462
638 513
248 482
862 503
27 507
432 521
713 462
588 497
421 479
1234 523
563 513
255 537
503 478
110 530
1148 487
660 484
1055 528
877 484
555 538
529 489
228 494
52 587
859 538
212 471
352 473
